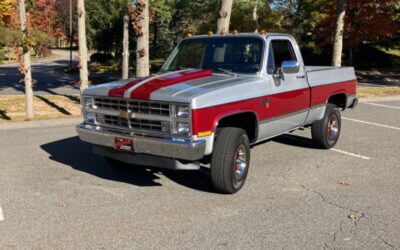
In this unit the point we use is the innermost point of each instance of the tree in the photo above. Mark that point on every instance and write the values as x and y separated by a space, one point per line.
338 41
8 12
140 21
224 16
43 16
125 54
83 51
26 64
361 24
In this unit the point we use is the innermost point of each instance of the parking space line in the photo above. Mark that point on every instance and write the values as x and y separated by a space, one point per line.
382 105
350 154
1 214
370 123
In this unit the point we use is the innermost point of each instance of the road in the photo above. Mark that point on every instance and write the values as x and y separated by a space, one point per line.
55 194
48 74
49 77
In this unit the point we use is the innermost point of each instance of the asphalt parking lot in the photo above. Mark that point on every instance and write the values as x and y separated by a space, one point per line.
55 194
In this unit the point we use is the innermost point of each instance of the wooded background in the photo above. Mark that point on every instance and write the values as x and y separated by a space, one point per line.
312 22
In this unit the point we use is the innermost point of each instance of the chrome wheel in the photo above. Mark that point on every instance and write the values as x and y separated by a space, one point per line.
240 163
333 128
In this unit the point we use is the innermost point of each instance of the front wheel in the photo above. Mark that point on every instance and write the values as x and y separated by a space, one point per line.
230 160
326 132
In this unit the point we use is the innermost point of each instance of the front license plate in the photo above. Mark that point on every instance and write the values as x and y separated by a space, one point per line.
124 144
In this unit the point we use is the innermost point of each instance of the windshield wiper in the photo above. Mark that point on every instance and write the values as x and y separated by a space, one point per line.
227 71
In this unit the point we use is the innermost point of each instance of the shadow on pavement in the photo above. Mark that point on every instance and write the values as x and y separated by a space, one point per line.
78 155
296 141
4 116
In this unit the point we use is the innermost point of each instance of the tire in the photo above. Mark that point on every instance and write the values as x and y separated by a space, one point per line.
230 160
326 132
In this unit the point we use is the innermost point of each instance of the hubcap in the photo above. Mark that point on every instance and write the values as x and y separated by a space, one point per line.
333 128
240 163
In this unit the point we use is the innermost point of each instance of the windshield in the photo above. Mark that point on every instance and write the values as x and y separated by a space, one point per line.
236 54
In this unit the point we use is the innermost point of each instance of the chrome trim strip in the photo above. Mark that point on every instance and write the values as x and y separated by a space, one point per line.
184 149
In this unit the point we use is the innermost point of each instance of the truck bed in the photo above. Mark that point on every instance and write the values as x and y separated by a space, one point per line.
322 75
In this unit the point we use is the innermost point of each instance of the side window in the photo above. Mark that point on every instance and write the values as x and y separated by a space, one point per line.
280 51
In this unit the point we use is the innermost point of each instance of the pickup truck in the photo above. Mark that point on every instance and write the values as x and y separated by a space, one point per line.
214 98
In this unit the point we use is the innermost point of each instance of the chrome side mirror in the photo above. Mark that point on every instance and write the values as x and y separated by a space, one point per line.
290 67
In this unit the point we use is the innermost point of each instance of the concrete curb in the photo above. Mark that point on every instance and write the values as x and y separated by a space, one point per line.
41 124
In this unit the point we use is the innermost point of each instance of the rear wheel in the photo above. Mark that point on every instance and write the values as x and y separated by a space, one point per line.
326 132
230 160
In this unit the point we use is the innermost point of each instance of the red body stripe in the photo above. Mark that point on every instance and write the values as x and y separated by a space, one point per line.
320 94
144 91
280 104
119 92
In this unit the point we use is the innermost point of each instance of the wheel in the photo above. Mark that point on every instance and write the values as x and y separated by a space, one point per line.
326 132
117 165
230 160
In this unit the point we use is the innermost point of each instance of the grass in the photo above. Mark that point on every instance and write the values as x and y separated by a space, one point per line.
12 108
367 92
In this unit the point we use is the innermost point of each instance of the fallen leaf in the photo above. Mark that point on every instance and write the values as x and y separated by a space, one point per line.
344 183
353 216
62 204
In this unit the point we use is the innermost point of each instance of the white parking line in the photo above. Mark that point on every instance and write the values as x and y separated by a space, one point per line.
370 123
382 105
1 214
351 154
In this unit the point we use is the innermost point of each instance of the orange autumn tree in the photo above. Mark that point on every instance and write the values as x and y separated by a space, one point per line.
8 13
365 20
43 16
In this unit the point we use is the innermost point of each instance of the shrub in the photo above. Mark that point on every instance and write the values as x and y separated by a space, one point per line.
102 58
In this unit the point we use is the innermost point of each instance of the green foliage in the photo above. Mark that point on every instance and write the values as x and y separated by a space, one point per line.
104 26
9 36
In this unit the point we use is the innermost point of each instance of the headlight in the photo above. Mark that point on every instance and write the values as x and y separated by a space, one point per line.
182 111
183 128
90 117
88 102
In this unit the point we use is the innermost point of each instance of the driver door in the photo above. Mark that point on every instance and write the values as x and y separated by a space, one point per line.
289 96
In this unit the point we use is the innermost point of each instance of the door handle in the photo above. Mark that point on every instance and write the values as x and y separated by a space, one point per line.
301 77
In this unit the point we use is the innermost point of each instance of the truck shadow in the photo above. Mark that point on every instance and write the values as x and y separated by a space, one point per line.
296 141
74 153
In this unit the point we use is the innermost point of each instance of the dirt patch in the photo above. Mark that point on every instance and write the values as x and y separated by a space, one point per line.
12 108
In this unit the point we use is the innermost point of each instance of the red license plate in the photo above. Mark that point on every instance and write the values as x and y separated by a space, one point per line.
124 144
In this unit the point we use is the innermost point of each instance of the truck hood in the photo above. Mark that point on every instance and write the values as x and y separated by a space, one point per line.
199 87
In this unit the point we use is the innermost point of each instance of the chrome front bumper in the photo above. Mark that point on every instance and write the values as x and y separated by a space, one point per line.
171 148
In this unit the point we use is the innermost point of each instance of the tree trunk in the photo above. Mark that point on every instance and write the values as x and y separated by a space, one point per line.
338 43
83 51
26 64
125 53
142 53
224 16
255 17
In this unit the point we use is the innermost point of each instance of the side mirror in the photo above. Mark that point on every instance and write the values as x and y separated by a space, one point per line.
290 67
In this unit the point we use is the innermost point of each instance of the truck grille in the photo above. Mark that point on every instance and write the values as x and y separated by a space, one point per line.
142 107
135 124
113 117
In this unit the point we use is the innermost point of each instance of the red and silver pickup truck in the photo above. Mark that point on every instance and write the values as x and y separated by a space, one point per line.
214 97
